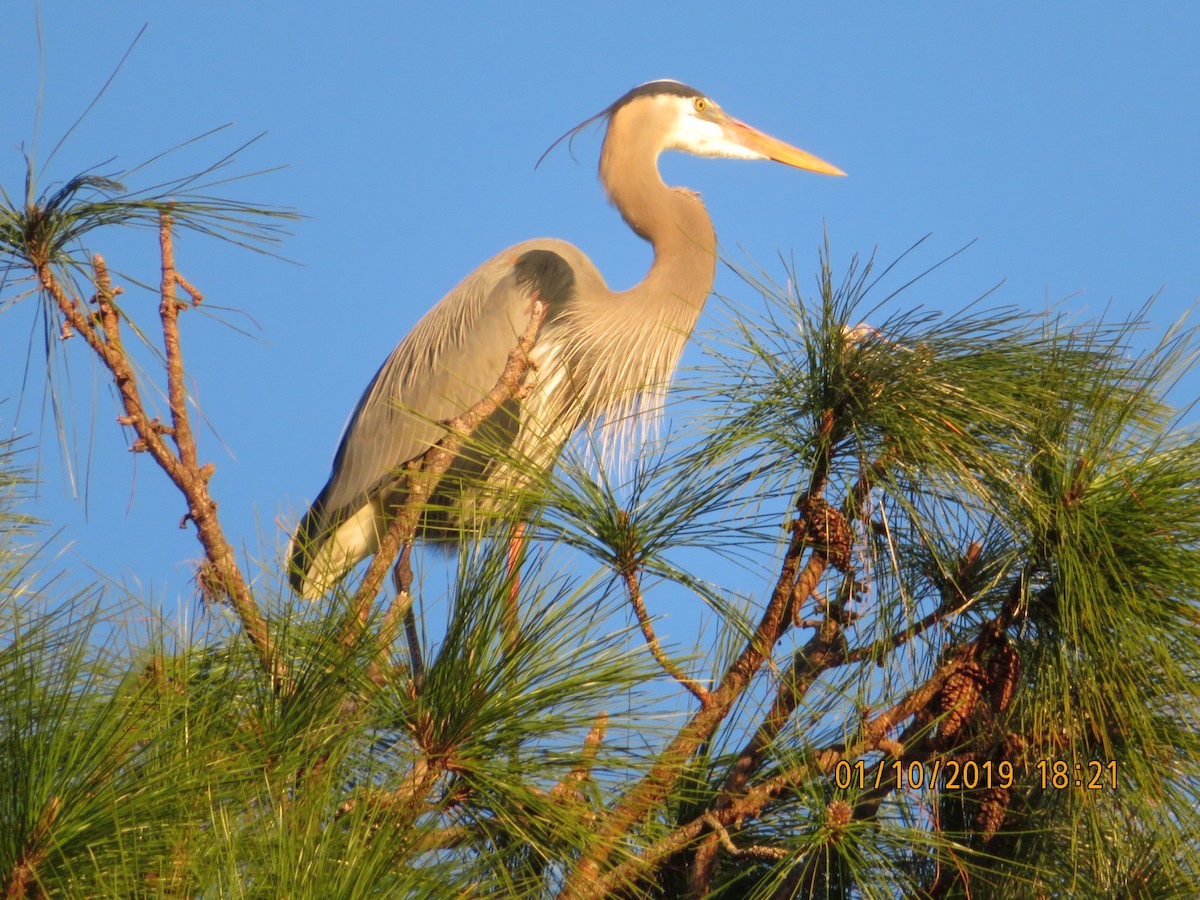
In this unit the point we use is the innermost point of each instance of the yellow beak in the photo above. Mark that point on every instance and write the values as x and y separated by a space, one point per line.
772 148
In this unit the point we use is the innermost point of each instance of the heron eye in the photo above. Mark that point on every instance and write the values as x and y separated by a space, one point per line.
699 104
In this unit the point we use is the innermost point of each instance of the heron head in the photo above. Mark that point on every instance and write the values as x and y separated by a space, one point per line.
688 120
674 116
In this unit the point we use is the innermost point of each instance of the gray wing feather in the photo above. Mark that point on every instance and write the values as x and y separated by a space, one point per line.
450 360
445 365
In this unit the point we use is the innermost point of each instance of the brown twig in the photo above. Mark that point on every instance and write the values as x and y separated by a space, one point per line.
23 875
633 589
168 312
102 334
197 297
773 854
585 881
408 798
591 745
877 650
874 734
512 572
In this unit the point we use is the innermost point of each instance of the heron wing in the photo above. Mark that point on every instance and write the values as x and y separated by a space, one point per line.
450 360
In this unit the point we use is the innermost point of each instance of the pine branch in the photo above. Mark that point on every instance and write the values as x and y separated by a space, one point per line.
102 333
633 590
22 881
793 587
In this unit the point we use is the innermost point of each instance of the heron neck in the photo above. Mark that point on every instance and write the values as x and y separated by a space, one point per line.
677 226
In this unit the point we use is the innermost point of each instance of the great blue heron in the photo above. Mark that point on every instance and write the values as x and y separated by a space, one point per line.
597 351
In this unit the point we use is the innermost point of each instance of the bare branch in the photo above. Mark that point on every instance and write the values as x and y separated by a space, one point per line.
168 311
102 334
633 589
591 745
768 853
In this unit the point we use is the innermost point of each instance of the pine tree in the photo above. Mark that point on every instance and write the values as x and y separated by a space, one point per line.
960 657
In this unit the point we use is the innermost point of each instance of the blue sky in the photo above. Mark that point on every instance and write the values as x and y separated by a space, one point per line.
1062 138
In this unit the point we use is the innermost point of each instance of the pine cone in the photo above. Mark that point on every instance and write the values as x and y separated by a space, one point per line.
957 699
1014 748
1003 675
839 814
993 806
828 529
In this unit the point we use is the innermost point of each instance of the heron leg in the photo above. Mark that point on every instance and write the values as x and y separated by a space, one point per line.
512 571
402 578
